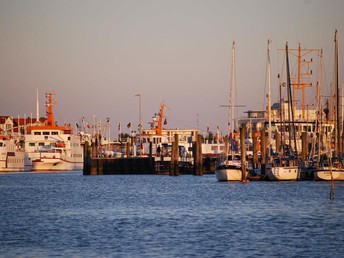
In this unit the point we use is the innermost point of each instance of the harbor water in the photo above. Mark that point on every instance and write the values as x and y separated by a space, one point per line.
71 215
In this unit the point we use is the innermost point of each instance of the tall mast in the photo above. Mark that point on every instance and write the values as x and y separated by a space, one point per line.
319 106
337 129
269 94
290 101
231 93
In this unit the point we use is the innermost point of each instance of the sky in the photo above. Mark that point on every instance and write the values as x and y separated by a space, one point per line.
97 55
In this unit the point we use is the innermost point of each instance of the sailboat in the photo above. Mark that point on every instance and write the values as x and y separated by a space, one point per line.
283 168
331 167
229 168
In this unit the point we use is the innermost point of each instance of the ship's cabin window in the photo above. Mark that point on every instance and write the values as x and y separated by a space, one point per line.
32 144
68 138
1 144
37 133
46 133
54 133
41 144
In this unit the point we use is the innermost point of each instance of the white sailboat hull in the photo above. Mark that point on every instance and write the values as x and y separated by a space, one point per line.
228 174
283 173
324 173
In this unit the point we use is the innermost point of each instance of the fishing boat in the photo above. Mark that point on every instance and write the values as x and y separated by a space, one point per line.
12 156
51 147
228 168
330 166
283 168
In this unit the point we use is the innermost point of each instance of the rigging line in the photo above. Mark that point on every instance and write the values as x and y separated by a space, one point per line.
182 122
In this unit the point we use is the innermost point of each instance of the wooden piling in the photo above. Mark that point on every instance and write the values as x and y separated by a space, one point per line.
198 166
174 171
255 150
243 155
87 157
304 145
263 151
200 162
128 149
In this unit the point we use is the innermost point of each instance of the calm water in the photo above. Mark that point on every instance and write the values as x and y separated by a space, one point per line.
71 215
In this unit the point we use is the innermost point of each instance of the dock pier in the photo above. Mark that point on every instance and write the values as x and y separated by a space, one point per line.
173 165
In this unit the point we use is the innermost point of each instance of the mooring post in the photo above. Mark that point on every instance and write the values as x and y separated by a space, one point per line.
243 155
128 149
87 158
255 151
174 171
263 151
200 157
197 171
304 145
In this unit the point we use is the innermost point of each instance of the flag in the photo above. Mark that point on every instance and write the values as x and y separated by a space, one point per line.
165 122
129 125
88 125
77 125
119 127
208 129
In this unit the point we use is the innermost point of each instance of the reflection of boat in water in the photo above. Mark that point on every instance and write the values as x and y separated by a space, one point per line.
11 155
51 147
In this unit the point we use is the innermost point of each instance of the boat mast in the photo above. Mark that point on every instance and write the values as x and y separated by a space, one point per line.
319 108
231 94
337 109
290 101
269 95
231 103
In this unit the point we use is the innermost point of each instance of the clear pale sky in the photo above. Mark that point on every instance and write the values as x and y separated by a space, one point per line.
97 55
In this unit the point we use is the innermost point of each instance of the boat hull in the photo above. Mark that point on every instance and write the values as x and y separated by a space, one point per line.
56 165
325 174
283 173
228 174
